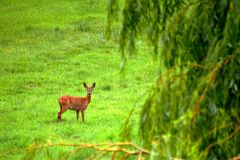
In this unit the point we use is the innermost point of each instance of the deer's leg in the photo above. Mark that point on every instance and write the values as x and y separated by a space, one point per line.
77 112
82 112
62 110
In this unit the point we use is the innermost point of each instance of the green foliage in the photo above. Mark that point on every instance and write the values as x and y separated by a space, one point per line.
193 110
141 16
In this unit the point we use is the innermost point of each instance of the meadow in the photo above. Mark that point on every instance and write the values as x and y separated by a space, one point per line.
48 49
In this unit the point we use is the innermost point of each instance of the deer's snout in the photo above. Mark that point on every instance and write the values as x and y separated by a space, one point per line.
89 92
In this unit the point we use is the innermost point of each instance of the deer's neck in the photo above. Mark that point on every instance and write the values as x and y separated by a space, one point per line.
88 98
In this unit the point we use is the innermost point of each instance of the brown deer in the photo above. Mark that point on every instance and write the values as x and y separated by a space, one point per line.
75 103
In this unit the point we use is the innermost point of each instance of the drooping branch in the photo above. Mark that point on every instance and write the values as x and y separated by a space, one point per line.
126 148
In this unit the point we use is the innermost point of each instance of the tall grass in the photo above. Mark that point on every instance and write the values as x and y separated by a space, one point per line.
47 50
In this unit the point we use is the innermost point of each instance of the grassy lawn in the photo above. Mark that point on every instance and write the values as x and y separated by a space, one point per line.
48 49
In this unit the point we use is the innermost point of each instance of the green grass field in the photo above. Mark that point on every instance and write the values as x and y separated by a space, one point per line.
48 49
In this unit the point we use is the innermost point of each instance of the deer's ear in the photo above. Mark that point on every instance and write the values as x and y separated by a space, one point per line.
93 85
84 84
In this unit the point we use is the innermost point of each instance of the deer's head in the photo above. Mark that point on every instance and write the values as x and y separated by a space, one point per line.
89 89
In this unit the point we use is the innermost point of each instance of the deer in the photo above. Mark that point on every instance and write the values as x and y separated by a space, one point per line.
78 104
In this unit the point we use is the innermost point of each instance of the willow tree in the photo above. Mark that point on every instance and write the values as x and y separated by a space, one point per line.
193 110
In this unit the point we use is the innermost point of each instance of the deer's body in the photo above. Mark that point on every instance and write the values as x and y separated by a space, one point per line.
75 103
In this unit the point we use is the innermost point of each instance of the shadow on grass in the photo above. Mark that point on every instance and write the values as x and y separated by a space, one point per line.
68 122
